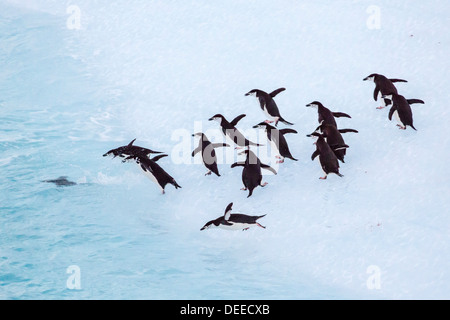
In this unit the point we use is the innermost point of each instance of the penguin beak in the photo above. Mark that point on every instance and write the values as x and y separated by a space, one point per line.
211 119
366 78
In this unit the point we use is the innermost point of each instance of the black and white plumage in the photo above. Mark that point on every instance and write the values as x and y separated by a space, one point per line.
129 150
268 105
277 140
206 148
401 110
233 221
333 136
325 115
61 182
230 131
327 158
251 174
383 86
153 170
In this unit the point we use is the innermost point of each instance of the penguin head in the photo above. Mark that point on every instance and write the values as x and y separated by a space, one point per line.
218 117
263 125
370 77
198 134
314 104
211 224
253 92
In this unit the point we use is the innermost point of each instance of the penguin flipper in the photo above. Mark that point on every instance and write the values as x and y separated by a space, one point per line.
286 122
159 157
375 93
412 101
227 213
131 143
397 80
218 145
238 164
196 150
275 92
267 167
315 154
336 147
391 112
340 114
237 119
284 131
347 130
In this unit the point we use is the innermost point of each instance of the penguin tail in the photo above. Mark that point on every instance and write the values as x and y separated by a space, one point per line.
340 175
175 184
413 127
292 158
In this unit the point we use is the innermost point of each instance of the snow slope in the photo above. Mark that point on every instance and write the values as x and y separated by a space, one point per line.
156 71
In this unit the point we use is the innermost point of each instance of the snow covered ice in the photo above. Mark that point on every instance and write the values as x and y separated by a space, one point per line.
81 79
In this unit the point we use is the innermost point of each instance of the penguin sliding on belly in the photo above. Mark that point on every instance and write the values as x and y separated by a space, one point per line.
208 154
401 109
268 105
129 150
230 131
277 140
383 86
327 158
251 174
233 221
325 115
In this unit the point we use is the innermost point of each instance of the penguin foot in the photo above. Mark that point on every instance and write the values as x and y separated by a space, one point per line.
280 161
264 184
323 178
208 173
244 189
268 121
163 192
245 229
380 108
401 127
278 157
260 225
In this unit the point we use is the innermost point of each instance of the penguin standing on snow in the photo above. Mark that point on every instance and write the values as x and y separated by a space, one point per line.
401 109
333 137
383 86
153 171
233 221
208 154
327 158
277 140
231 132
268 105
251 174
325 114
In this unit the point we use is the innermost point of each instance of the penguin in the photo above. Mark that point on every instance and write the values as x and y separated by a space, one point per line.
401 109
61 182
208 154
327 158
129 150
268 105
333 137
325 114
251 174
231 132
383 86
233 221
277 140
153 171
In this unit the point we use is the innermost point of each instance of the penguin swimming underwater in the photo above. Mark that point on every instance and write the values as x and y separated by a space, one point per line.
333 137
277 140
129 150
231 132
401 109
208 154
233 221
153 171
269 106
61 182
327 158
251 174
325 115
383 86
